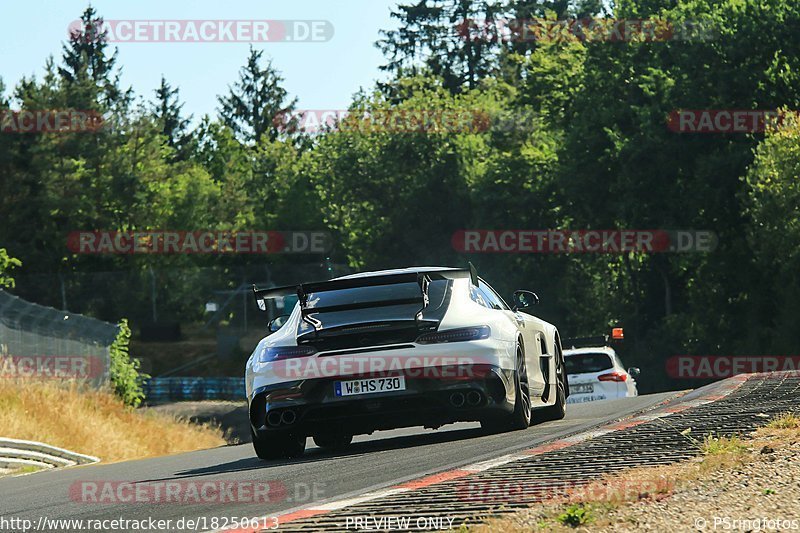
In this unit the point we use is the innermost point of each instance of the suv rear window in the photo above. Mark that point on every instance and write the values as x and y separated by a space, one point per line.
585 363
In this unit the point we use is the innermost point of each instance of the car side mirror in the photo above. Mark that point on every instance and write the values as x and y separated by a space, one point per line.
634 371
524 299
277 323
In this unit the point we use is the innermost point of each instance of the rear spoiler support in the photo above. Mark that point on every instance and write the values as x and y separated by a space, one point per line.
424 281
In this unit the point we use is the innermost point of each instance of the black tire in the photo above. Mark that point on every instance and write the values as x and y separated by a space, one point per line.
521 417
558 410
333 442
278 446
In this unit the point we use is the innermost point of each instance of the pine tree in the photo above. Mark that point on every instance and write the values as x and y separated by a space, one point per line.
167 110
434 37
256 105
89 73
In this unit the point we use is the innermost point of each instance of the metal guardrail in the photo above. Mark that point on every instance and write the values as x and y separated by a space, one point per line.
177 389
15 453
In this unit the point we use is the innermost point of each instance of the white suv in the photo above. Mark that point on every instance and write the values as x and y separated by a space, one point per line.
597 373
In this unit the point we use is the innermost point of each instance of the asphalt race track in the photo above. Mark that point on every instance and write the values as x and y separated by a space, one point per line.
371 462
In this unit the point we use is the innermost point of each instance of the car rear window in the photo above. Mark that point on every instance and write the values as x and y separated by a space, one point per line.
585 363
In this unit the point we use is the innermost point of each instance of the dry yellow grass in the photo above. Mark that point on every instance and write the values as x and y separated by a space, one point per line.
786 420
94 422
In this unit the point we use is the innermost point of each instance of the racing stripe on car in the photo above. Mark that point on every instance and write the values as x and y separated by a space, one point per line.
718 393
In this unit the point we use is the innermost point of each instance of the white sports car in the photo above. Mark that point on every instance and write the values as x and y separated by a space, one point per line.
408 347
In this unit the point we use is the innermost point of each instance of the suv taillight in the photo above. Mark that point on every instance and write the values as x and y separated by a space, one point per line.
613 376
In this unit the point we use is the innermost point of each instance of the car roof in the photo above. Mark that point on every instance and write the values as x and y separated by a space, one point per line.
590 349
407 270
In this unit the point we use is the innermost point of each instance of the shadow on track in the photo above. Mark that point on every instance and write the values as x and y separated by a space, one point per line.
316 454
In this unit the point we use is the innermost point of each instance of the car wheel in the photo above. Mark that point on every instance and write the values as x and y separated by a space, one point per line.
558 410
333 442
521 417
278 446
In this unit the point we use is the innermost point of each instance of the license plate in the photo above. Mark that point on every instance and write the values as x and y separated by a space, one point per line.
586 399
581 388
369 386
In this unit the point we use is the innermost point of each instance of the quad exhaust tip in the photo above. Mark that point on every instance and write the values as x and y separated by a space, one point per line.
457 399
274 418
281 418
288 417
474 397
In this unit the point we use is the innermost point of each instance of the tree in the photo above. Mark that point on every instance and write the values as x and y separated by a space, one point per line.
773 194
436 38
167 110
256 105
6 265
89 73
396 197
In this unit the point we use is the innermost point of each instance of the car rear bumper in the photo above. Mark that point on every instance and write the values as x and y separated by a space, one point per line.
431 399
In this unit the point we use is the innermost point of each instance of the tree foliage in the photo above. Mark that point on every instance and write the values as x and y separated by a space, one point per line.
577 138
434 38
174 126
126 380
256 104
7 264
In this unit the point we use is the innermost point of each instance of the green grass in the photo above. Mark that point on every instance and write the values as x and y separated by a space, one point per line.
27 469
722 445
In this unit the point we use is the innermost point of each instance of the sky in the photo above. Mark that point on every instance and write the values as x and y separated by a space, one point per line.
322 75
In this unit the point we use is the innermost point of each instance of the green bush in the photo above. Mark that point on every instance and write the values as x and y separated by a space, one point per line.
575 515
6 265
125 376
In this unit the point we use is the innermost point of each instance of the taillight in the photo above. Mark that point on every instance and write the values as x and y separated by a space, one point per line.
456 335
613 376
278 353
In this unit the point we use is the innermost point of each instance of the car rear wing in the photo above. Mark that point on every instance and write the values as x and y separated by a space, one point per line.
422 278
